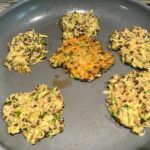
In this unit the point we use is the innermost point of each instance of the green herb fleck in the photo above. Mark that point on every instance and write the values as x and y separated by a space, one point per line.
17 113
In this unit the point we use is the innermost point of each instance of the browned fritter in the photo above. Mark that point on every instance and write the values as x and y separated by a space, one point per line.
84 58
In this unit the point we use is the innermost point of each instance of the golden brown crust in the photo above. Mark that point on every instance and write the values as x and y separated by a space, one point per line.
84 58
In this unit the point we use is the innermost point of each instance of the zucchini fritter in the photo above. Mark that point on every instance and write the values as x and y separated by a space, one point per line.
36 114
84 58
128 100
133 46
77 24
26 49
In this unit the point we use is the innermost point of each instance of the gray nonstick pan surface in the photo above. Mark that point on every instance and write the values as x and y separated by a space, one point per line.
88 125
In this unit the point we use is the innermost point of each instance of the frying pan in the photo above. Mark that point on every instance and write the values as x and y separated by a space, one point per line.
88 125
